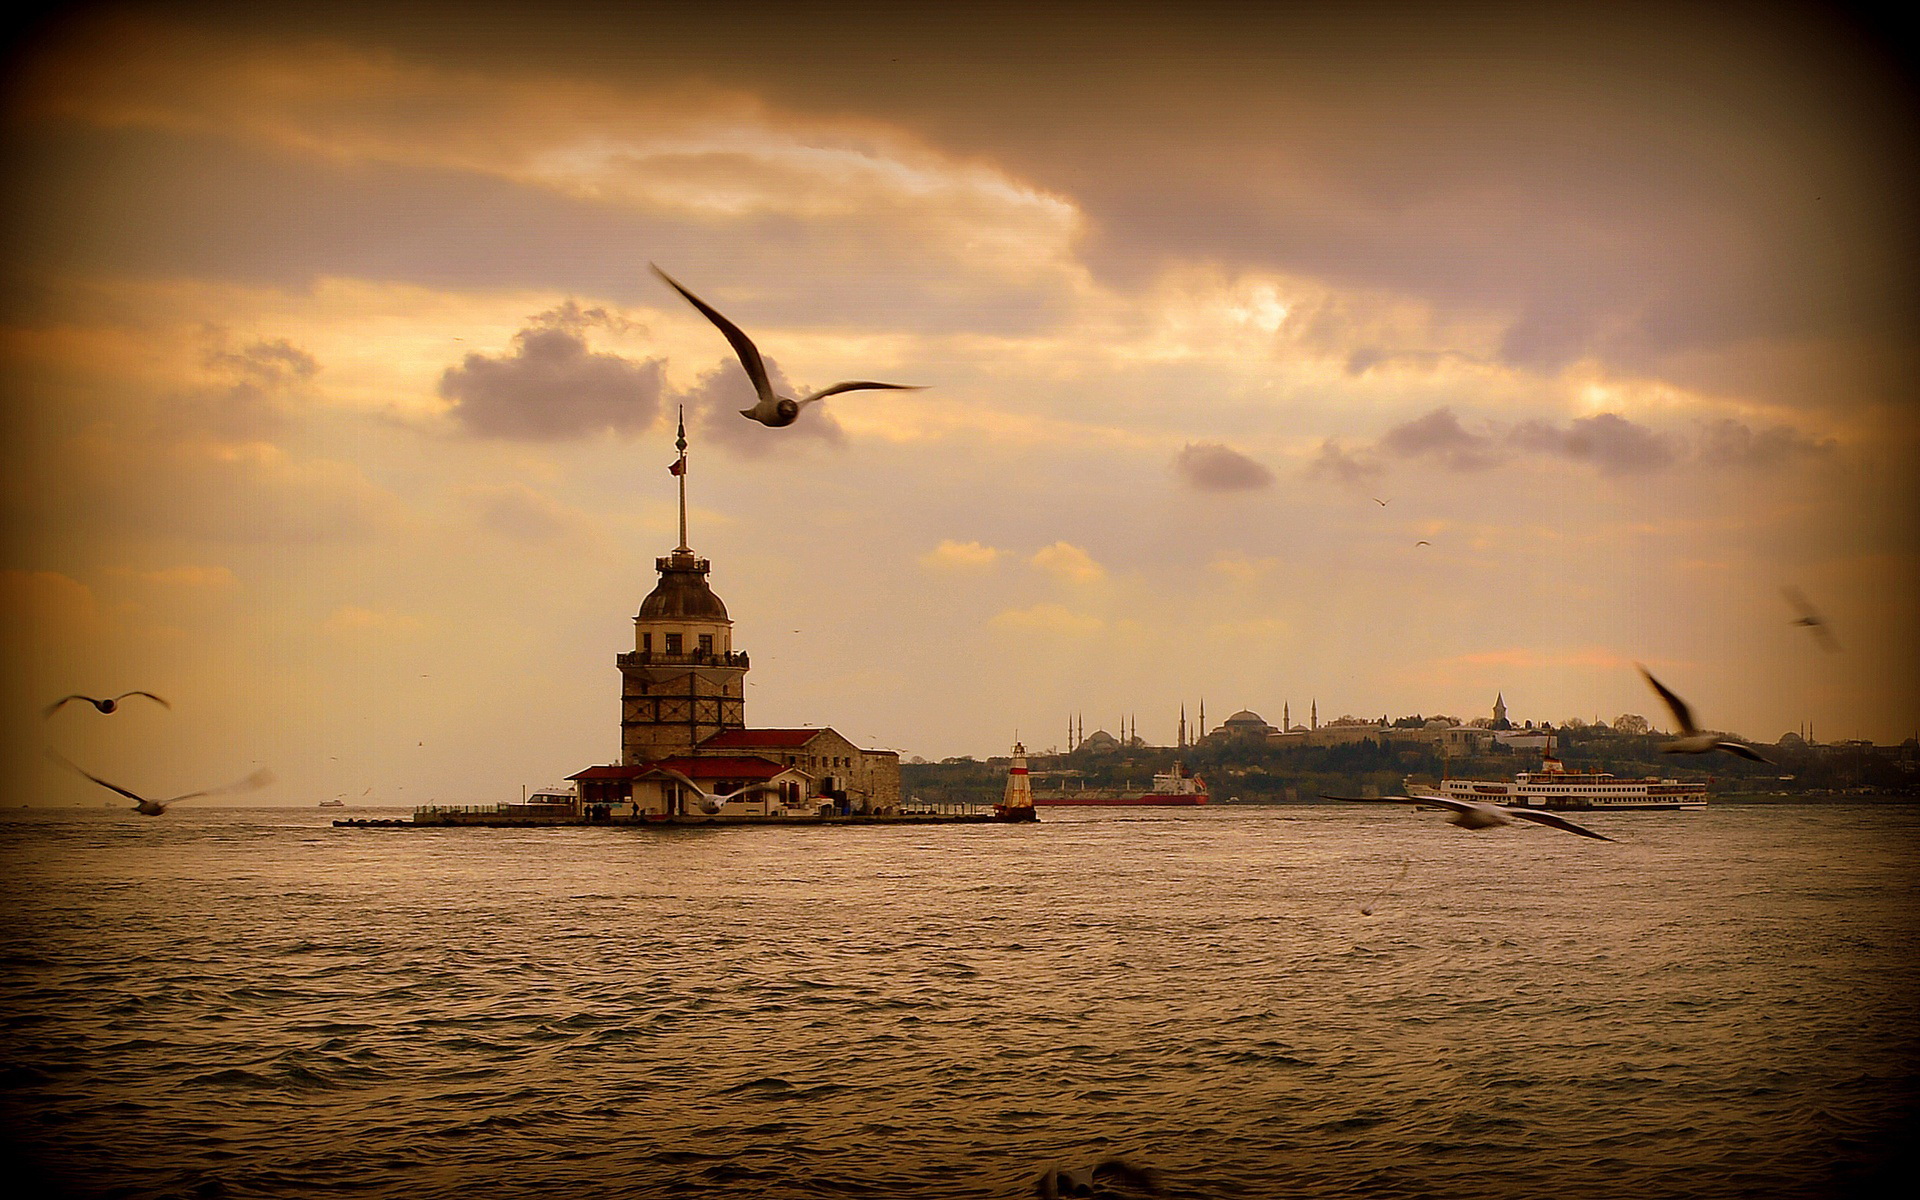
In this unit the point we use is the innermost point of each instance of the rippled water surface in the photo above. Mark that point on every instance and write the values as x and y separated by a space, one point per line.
253 1003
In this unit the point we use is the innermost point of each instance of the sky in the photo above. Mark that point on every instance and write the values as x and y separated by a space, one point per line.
1387 359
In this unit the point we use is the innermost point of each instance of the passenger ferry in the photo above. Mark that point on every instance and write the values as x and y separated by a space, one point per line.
1553 786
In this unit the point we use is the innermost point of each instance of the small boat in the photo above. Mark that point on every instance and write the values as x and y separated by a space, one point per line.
336 802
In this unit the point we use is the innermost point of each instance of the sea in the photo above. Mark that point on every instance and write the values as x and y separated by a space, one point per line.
1271 1002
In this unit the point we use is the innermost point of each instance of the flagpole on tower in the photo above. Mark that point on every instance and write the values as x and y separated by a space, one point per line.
679 468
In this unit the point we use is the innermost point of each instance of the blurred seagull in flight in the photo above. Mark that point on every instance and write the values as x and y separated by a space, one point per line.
1423 542
1113 1178
105 706
773 410
1812 619
1478 814
710 802
1691 740
1380 502
154 808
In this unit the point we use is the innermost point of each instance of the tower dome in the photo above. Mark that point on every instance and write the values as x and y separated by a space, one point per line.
682 593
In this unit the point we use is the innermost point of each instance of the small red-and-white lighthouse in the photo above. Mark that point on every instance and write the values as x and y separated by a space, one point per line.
1017 805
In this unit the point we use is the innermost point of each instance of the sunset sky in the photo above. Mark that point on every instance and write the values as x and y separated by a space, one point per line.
339 397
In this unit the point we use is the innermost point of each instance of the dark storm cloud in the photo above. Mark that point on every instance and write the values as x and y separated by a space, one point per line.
1440 435
716 398
550 386
1613 444
1212 467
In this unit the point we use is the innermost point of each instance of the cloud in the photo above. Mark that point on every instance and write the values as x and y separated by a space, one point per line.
1732 443
718 396
1334 462
351 620
551 387
252 399
517 512
950 555
186 578
1612 443
1063 560
1212 467
48 605
1440 435
1050 618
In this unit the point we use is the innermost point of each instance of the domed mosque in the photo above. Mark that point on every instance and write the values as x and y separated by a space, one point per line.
683 718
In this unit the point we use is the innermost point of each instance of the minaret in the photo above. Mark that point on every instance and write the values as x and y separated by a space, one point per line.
1286 717
1316 713
1203 719
1183 725
682 682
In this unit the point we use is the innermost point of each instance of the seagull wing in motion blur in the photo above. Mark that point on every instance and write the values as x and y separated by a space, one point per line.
710 802
1100 1179
772 409
1811 618
1477 814
106 706
1691 740
154 808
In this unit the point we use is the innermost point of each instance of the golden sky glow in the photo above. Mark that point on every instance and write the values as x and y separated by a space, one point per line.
340 396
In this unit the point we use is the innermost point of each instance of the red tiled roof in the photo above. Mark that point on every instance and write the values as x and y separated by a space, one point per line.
753 739
722 768
611 772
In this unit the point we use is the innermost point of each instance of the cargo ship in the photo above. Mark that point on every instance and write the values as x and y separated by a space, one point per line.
1173 787
1553 786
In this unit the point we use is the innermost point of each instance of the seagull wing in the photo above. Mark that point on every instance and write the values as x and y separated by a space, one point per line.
50 709
1542 818
697 789
253 782
1681 713
112 787
148 695
1446 802
1743 750
742 344
856 385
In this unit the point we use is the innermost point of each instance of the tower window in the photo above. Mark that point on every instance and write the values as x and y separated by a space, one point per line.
706 643
673 643
646 642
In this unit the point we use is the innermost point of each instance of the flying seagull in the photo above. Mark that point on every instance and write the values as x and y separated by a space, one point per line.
773 410
1478 814
105 706
710 802
1380 502
1691 740
1423 542
1812 619
154 808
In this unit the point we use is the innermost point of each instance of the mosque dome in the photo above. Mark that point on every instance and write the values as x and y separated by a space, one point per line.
1245 720
682 593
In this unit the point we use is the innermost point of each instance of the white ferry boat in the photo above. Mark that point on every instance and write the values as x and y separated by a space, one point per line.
1553 786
